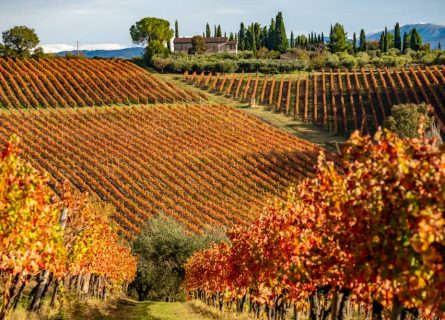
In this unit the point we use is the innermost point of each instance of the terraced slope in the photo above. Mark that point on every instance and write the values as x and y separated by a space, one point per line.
338 101
206 166
81 82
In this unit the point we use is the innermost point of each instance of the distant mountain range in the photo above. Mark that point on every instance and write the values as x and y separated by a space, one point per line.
126 53
432 33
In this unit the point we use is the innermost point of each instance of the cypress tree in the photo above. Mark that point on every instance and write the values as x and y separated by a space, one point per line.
252 39
362 46
397 37
257 31
218 31
292 40
242 36
322 38
331 39
406 42
208 31
386 41
263 37
231 37
281 37
416 40
271 36
354 42
382 42
439 46
214 30
176 29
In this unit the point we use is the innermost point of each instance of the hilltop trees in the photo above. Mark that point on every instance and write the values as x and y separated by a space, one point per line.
176 29
19 42
198 45
338 39
282 42
397 37
208 31
154 33
362 44
416 40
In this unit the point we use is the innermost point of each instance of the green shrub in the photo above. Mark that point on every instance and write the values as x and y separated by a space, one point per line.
406 118
163 249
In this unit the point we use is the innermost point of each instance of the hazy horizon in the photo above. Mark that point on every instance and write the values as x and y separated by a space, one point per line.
100 24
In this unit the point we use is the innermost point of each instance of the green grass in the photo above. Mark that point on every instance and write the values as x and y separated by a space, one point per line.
125 309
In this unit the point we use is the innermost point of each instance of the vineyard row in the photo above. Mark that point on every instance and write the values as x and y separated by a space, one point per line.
81 82
205 166
340 102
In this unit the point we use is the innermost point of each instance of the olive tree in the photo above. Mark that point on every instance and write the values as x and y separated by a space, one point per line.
405 120
153 33
163 248
19 41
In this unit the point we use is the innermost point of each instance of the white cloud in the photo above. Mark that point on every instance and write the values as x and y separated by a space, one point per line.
54 48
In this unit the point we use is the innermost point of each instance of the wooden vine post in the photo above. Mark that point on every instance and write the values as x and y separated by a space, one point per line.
306 100
255 88
334 104
325 110
229 88
378 93
263 91
238 87
351 100
246 89
280 95
288 96
342 101
297 101
272 91
315 99
371 101
364 120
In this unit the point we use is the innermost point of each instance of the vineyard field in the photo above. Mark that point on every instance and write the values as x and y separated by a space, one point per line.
82 82
337 101
206 166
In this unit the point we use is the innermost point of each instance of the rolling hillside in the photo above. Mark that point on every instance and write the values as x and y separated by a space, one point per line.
81 82
337 101
206 166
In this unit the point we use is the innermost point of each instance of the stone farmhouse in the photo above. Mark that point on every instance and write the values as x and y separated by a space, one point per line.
213 45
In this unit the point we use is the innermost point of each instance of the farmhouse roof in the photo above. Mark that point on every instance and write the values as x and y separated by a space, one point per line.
206 40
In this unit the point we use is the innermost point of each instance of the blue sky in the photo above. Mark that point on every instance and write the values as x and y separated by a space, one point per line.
62 22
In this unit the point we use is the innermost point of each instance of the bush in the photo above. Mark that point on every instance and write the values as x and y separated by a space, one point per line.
406 118
163 248
362 59
347 60
333 61
430 58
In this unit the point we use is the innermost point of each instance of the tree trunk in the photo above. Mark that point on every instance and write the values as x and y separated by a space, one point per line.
397 307
86 285
377 311
335 305
6 297
314 308
296 313
40 288
19 295
344 304
54 295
